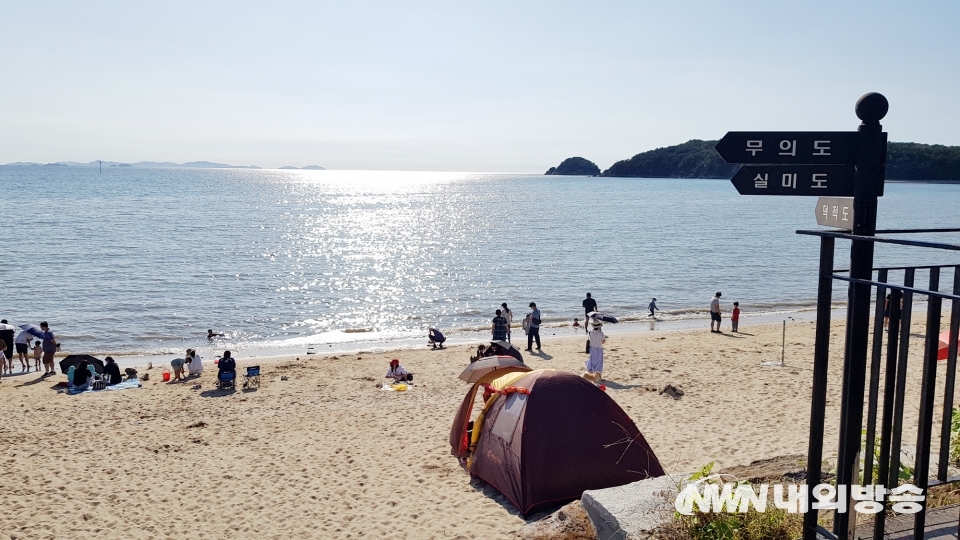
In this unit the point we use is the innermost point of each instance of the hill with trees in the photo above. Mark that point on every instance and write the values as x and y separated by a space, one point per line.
575 166
692 159
698 159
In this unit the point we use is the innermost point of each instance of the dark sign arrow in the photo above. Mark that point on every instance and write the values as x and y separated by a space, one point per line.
823 180
794 147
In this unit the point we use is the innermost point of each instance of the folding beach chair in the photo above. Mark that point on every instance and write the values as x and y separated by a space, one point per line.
252 378
226 379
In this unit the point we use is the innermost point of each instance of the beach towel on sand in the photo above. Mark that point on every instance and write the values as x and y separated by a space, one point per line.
129 383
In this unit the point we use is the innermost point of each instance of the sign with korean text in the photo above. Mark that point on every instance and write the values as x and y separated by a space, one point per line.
795 147
798 180
835 212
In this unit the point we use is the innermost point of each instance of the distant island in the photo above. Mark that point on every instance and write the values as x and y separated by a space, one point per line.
307 168
692 159
575 166
140 164
698 159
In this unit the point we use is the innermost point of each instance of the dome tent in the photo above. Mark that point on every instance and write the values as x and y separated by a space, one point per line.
547 436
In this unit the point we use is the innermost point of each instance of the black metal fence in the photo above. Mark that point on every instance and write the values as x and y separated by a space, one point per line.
888 359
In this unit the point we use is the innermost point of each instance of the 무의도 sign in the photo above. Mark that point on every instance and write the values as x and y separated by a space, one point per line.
793 147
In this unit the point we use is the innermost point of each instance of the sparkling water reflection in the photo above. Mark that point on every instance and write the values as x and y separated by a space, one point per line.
147 260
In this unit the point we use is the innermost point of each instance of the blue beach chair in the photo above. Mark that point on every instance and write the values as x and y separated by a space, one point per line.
226 380
252 378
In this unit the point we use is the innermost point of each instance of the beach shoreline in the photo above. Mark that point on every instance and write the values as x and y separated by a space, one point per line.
317 350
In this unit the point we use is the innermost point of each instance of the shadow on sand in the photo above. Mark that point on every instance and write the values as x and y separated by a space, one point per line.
618 386
37 380
214 393
493 494
540 354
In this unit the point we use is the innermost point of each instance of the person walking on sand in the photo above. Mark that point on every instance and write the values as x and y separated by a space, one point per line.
533 329
508 315
22 343
715 313
49 345
595 362
37 355
735 316
499 327
653 307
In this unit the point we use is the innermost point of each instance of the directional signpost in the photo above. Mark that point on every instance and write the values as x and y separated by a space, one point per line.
828 164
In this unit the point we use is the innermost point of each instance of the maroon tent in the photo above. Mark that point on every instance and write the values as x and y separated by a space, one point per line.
547 446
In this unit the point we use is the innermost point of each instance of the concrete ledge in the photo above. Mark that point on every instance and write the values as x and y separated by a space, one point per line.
633 511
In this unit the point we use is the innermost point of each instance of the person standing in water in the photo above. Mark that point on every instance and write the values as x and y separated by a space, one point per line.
653 307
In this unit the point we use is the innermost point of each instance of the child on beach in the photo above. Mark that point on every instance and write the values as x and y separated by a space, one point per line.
7 366
37 352
652 307
735 316
177 365
576 323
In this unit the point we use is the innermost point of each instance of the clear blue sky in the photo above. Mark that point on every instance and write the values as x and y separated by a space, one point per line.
481 86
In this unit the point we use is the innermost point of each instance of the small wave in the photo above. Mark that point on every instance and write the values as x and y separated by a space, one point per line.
356 330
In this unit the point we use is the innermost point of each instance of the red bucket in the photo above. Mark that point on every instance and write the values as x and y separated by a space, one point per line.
166 374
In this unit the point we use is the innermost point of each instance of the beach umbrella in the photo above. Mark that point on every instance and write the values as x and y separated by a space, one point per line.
33 330
942 349
479 369
508 349
601 317
75 359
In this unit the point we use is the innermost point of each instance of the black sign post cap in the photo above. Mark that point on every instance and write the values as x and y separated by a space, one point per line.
872 107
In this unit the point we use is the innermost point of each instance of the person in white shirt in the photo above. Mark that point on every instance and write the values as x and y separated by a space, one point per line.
397 373
22 344
194 364
715 313
595 362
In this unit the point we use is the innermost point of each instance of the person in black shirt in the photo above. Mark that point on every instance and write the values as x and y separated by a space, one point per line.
589 304
112 370
226 364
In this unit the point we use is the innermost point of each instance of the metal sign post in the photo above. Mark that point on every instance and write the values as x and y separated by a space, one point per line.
868 185
834 164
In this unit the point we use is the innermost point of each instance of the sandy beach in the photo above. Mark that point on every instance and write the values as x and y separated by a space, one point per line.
327 454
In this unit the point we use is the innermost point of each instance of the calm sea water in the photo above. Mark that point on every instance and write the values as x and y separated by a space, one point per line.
144 261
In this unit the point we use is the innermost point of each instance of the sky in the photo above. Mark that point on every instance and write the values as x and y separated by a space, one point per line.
458 86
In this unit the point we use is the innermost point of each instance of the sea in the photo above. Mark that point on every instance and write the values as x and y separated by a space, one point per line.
142 262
